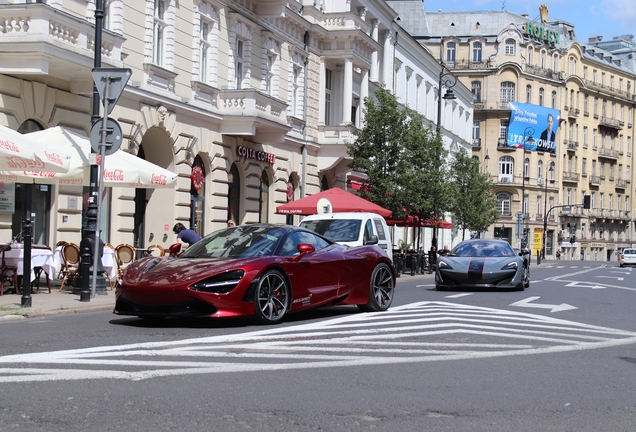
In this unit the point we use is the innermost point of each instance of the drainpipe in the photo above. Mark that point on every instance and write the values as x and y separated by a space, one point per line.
304 147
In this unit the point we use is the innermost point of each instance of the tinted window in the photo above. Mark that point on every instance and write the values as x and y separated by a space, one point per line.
338 230
379 227
237 242
483 249
290 247
629 252
368 232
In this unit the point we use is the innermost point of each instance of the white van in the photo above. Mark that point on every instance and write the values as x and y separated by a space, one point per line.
352 229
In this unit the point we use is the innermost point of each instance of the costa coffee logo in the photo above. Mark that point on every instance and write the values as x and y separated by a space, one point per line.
158 179
258 155
114 175
18 163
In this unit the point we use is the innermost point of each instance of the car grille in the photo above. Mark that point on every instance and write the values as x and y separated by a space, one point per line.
193 308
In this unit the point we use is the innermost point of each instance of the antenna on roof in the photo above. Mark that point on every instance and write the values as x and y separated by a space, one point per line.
503 5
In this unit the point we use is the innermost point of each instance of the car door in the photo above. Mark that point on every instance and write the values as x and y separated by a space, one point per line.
315 276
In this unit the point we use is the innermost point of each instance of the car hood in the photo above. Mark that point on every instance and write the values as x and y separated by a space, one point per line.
456 262
171 271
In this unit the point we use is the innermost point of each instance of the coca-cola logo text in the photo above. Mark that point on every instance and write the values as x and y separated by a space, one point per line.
54 157
114 175
158 179
18 163
9 145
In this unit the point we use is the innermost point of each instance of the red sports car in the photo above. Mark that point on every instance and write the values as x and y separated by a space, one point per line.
258 270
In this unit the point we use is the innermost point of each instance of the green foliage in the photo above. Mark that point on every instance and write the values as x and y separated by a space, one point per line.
474 203
408 171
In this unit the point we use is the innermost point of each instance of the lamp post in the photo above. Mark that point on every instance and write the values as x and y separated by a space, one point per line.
545 212
448 80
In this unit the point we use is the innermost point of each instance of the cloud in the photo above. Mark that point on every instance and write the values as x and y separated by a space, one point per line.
622 11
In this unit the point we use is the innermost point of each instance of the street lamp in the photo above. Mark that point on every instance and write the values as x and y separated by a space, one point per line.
527 140
448 80
545 211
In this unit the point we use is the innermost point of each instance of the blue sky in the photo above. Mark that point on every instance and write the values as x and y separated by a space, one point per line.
605 18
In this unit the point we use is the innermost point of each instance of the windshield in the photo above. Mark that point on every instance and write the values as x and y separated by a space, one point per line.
483 249
337 230
237 242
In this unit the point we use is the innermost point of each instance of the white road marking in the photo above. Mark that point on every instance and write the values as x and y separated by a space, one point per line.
458 295
553 308
413 333
579 285
611 277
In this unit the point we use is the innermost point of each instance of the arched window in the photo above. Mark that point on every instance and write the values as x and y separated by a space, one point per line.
477 48
324 183
541 96
507 91
526 168
551 171
540 170
503 202
263 204
510 46
530 56
234 195
528 94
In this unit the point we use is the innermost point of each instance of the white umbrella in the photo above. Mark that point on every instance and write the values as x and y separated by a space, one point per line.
121 168
21 152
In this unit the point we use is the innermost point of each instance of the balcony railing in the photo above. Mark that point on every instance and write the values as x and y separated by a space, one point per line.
610 122
570 176
608 153
249 108
469 64
476 142
547 73
571 145
595 180
620 183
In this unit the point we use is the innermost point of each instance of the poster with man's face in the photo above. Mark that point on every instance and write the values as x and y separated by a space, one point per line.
532 127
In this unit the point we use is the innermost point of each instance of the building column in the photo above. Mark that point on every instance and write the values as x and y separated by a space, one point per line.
321 101
375 66
387 60
347 95
364 91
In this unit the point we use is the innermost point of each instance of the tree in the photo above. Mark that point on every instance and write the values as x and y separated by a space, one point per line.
378 151
474 203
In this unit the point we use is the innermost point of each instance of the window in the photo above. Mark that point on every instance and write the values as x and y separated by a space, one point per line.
542 65
541 95
238 55
506 166
528 94
540 170
158 32
204 50
476 89
108 18
530 55
584 136
526 168
551 171
503 129
328 75
268 73
507 93
584 166
554 99
596 107
510 46
477 48
584 72
594 144
296 86
451 47
555 63
476 129
503 200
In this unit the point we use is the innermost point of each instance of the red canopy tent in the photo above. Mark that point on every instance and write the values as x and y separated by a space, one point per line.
337 201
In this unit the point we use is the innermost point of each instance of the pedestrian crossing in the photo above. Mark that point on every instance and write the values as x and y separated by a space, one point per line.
414 333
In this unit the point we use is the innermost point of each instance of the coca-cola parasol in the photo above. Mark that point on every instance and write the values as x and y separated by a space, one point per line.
21 152
121 168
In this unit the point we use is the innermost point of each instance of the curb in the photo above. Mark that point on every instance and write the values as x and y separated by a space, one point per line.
40 314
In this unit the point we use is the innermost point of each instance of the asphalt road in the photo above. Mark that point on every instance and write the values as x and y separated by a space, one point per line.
559 356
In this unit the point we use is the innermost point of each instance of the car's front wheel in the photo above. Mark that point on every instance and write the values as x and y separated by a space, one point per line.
272 297
382 289
526 277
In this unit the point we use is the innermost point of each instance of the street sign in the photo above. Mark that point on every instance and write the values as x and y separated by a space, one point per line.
118 79
114 136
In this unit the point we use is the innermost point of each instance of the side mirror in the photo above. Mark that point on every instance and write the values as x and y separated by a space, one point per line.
174 249
303 249
372 240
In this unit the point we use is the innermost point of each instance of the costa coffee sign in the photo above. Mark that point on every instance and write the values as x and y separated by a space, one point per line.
258 155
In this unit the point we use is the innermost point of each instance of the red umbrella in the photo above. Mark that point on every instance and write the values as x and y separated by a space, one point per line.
333 200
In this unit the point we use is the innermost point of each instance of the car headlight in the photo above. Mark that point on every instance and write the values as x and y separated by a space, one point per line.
444 265
221 283
511 265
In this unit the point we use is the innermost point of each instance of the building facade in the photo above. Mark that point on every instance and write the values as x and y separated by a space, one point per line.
254 98
504 57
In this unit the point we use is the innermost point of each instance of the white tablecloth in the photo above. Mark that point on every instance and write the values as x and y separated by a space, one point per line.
39 258
108 261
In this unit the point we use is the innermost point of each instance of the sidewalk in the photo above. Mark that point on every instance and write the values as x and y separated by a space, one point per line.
56 303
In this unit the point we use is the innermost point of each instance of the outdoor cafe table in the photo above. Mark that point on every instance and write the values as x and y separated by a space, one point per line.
41 256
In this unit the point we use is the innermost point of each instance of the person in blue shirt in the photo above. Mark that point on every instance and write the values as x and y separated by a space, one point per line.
185 235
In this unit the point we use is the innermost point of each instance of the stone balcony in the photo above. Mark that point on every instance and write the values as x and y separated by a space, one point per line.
249 111
39 40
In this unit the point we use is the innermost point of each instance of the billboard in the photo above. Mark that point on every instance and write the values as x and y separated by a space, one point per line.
532 127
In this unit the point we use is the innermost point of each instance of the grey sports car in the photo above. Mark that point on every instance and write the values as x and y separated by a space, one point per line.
483 263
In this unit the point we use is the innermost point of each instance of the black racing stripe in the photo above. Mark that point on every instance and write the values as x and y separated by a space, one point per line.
476 269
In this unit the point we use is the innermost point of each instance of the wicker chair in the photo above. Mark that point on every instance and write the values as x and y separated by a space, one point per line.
156 250
124 254
70 264
8 273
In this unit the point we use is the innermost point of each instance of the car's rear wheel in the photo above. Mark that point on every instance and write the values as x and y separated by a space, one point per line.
382 289
272 297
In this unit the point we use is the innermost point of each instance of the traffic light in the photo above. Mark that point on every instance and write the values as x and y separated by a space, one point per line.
586 201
